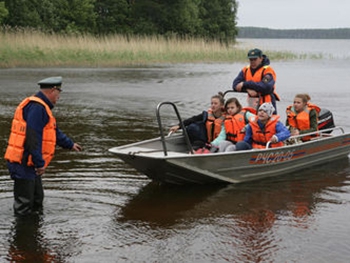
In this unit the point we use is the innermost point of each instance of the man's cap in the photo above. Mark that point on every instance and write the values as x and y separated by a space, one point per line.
268 108
50 82
255 53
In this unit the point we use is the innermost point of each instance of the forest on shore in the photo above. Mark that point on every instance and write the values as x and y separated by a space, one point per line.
214 20
210 20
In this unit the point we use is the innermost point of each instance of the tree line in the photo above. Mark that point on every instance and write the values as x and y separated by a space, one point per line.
257 32
210 19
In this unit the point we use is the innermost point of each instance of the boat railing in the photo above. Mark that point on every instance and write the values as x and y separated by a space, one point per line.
252 102
318 135
187 140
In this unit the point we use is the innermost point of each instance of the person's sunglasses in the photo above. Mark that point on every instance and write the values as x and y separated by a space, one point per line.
58 88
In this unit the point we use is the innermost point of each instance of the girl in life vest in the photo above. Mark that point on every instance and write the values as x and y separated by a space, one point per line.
233 129
302 116
202 129
264 128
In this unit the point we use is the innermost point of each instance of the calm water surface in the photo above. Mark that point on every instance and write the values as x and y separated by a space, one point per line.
98 209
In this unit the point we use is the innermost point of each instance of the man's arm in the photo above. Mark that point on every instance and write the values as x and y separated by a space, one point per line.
265 86
236 86
63 140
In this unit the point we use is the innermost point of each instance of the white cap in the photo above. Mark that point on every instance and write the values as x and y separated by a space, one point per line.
268 108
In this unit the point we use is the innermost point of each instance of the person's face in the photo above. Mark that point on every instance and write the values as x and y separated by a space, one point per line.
298 104
232 108
252 102
255 62
54 94
215 105
263 116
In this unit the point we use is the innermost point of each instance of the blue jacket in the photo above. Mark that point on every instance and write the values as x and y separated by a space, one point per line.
36 117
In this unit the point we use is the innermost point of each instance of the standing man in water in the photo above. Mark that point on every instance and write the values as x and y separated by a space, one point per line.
257 79
32 143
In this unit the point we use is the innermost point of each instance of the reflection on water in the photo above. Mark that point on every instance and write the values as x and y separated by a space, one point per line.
163 205
26 237
292 194
244 219
98 209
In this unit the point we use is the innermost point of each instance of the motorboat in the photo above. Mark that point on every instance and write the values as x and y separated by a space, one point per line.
171 159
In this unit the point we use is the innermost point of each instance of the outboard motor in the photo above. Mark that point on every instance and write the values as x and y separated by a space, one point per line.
325 120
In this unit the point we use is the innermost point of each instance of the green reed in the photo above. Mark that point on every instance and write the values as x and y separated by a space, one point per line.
29 48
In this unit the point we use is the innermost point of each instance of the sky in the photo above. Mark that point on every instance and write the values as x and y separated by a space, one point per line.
294 14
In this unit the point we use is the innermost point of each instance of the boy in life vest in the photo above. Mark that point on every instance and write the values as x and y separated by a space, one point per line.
31 146
205 127
233 129
264 128
258 79
302 116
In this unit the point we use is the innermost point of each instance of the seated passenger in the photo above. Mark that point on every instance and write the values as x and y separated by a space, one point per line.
233 129
302 116
252 104
264 128
205 127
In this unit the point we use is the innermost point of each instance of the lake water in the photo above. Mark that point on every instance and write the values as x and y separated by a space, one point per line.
98 209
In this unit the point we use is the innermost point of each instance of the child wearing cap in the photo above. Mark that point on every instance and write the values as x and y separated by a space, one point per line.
264 128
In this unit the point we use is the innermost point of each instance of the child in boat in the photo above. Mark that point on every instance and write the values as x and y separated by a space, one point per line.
302 116
233 129
264 128
202 129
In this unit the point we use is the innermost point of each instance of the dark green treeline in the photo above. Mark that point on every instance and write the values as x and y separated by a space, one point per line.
210 19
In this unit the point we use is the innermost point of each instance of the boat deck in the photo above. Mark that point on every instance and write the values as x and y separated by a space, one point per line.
147 151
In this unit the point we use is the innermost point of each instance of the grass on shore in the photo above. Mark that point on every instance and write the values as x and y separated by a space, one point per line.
35 49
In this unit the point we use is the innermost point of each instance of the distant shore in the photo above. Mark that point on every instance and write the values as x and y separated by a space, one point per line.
261 32
36 49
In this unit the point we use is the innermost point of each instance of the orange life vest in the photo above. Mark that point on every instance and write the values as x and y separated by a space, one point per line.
15 148
257 77
234 125
250 109
213 125
301 120
262 137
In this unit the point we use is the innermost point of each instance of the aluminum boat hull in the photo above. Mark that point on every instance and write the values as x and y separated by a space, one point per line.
177 165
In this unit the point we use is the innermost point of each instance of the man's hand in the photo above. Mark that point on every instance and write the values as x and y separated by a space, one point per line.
76 147
252 93
40 171
239 86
